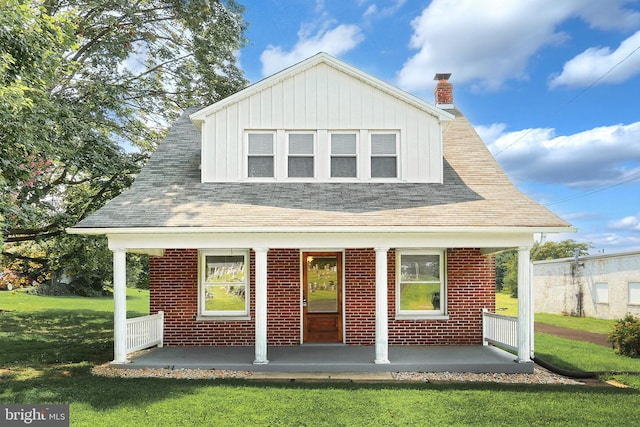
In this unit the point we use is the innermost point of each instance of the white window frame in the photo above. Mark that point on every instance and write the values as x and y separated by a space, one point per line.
355 155
313 155
204 314
396 154
441 313
634 293
601 292
273 154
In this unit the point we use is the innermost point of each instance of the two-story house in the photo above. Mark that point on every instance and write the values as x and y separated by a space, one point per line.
322 205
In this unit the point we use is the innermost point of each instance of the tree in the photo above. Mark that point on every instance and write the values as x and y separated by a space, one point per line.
507 261
87 90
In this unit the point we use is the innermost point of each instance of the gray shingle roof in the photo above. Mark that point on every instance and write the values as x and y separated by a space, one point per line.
475 193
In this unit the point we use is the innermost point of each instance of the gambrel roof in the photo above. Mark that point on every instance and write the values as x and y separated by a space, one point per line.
169 194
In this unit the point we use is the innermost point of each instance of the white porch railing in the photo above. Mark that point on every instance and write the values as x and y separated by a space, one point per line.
144 332
500 330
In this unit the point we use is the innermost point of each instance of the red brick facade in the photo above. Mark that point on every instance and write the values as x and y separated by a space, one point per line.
174 289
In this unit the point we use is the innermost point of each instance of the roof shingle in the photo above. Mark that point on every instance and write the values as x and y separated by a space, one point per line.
475 193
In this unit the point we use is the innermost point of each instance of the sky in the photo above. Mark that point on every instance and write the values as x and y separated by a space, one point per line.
552 87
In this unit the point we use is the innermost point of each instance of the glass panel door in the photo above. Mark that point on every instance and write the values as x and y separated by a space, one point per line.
322 282
322 297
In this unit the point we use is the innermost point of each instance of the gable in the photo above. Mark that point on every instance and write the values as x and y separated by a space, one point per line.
319 97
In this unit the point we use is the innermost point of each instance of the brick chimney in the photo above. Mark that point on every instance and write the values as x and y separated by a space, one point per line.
444 91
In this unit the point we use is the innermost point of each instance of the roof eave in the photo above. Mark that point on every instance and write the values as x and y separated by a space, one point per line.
321 229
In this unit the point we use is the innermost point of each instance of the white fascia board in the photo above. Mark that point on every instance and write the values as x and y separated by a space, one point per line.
319 229
199 116
390 237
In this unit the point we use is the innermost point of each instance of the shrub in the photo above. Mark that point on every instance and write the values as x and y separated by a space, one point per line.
625 336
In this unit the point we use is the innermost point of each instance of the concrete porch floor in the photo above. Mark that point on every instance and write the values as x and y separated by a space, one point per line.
335 359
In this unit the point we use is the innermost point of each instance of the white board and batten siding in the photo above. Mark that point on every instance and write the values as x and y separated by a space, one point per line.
321 99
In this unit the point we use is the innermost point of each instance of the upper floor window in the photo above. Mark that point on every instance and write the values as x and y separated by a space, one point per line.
261 155
322 154
344 157
384 158
300 162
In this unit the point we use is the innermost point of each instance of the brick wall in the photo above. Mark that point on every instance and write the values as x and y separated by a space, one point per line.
360 296
174 289
471 287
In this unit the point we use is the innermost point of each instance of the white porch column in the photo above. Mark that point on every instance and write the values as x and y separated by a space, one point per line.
525 311
120 305
382 309
261 306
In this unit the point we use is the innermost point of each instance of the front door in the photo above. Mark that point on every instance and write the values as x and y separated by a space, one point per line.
322 297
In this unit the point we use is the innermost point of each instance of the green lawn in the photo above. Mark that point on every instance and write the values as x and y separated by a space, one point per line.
49 344
506 305
580 323
509 306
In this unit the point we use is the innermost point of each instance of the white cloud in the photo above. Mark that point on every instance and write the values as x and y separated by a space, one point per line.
596 62
490 42
371 11
600 156
629 223
609 15
334 40
384 11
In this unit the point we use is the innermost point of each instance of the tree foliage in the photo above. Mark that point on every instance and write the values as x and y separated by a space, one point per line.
507 261
87 90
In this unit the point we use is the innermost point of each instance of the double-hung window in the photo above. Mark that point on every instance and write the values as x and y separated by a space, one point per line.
634 293
601 291
301 149
260 159
224 283
384 157
420 283
344 156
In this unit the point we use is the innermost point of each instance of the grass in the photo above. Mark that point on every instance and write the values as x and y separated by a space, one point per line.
580 323
49 344
506 305
582 356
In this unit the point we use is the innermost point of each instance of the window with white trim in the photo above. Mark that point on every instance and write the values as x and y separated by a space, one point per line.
384 157
224 283
634 293
420 283
344 155
601 293
260 161
300 163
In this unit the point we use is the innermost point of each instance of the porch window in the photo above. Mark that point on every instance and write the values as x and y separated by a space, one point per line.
301 155
384 158
260 161
224 284
420 284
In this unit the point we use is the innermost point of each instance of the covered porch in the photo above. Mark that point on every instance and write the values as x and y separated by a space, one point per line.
382 356
334 359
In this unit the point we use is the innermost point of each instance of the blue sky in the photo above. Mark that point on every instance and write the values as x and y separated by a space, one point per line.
552 87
